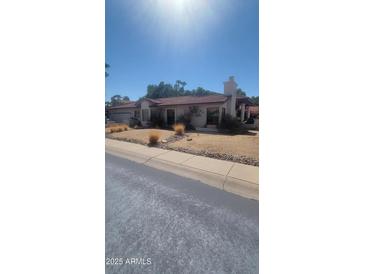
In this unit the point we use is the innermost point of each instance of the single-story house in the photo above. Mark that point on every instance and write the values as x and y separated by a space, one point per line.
205 111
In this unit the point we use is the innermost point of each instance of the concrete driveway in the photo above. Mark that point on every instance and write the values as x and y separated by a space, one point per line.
157 222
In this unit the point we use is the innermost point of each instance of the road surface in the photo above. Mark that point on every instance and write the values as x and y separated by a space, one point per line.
158 222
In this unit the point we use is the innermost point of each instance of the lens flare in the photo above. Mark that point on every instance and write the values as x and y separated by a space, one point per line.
180 22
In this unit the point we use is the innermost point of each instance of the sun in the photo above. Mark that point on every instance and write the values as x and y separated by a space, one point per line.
177 5
178 22
182 15
179 8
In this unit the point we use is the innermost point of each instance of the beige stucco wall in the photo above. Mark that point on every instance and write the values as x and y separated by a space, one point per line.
145 105
230 88
197 121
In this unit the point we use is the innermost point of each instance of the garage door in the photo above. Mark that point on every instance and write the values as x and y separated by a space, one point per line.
121 117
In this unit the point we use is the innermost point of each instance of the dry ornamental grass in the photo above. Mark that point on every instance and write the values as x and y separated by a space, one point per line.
154 136
179 129
116 128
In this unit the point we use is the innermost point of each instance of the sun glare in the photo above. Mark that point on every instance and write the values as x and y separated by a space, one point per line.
180 10
178 6
183 17
179 22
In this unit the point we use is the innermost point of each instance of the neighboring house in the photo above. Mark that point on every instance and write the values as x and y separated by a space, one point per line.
205 111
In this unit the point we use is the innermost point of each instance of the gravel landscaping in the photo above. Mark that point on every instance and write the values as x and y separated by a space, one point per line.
242 148
221 156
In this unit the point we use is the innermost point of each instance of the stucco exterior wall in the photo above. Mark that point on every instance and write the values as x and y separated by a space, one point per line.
121 115
196 121
145 105
230 88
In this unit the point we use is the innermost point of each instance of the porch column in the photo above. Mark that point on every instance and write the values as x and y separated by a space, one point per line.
243 106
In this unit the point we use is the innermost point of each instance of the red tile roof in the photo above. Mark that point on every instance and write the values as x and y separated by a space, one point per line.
131 104
188 100
185 100
244 100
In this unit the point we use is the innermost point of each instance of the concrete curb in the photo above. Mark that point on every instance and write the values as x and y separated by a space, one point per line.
242 188
208 178
228 176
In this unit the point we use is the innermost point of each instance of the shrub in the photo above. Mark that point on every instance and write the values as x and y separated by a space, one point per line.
186 120
179 129
154 136
108 130
112 125
115 129
250 121
134 122
118 128
230 123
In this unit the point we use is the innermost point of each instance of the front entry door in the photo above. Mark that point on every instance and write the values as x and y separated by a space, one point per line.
170 116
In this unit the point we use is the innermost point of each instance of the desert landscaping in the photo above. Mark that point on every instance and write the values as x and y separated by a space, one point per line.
241 148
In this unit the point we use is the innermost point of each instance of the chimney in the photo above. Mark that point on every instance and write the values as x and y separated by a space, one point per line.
230 89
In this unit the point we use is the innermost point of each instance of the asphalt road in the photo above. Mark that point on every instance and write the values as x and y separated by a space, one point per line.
158 222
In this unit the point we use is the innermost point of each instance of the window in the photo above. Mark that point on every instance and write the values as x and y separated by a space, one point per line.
137 113
144 115
212 116
223 112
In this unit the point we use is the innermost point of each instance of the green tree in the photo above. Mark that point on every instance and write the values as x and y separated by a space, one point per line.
163 90
179 86
199 91
240 92
255 99
117 100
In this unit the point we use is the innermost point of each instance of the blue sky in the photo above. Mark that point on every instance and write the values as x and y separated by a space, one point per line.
201 42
